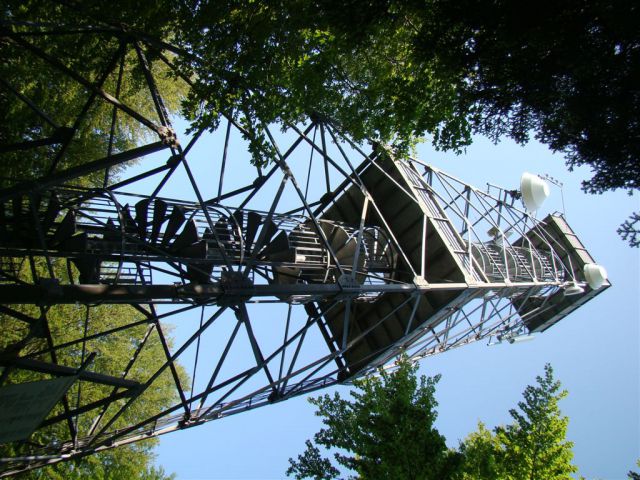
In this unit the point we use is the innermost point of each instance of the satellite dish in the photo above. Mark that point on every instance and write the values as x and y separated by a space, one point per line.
534 191
595 275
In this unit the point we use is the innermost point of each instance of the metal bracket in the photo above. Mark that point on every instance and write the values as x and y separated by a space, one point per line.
420 281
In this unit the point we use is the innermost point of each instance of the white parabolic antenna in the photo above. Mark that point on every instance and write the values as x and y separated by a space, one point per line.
595 275
534 191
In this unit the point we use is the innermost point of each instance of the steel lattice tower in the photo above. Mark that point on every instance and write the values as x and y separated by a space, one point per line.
321 266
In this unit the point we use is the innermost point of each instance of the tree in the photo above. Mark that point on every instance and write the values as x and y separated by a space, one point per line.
482 456
634 475
630 230
534 446
118 464
386 431
348 62
394 70
69 121
566 72
391 71
113 353
62 99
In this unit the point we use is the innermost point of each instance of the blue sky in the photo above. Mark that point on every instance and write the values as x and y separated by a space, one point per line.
594 351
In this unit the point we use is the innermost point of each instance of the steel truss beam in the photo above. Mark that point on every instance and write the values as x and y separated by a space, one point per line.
350 283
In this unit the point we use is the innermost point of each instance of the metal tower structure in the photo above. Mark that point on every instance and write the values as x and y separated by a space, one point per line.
309 270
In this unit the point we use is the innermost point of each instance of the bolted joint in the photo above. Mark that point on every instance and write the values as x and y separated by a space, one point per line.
349 288
258 182
347 282
51 287
168 136
234 286
316 117
63 134
275 396
174 160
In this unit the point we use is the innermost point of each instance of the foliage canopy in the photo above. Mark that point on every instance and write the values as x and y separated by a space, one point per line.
40 102
51 105
386 431
393 71
387 70
113 353
534 446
